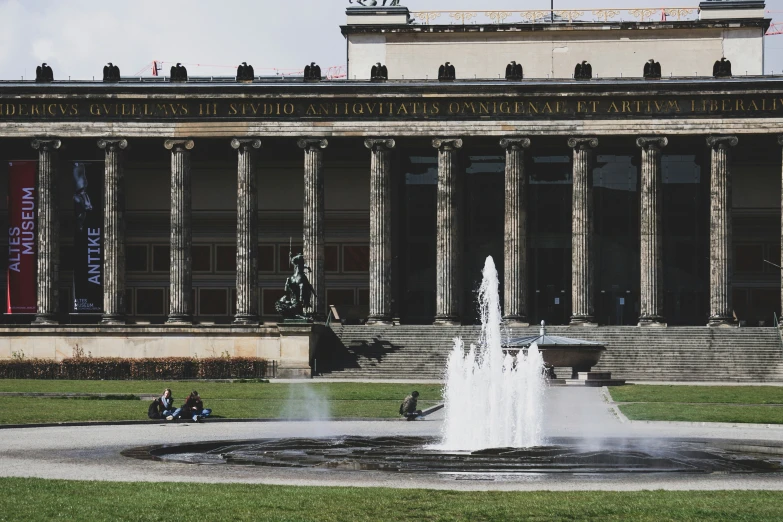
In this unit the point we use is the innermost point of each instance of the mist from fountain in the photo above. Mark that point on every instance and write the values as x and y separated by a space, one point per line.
493 400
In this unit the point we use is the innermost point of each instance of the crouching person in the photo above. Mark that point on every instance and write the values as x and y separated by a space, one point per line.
193 408
409 405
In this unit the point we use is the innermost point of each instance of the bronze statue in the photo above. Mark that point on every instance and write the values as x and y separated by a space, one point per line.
111 73
374 3
44 74
245 72
514 71
447 73
652 70
379 73
583 71
312 72
298 291
178 73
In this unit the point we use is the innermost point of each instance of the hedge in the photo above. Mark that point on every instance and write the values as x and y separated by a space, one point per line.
171 368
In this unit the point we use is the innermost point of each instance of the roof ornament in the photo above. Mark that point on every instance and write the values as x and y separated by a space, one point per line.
722 68
542 331
447 73
583 71
44 74
374 3
514 71
652 70
178 73
312 72
245 72
379 73
111 73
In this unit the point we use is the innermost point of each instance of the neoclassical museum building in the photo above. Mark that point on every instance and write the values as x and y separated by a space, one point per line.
625 169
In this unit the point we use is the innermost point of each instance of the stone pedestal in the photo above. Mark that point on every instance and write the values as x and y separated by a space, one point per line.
651 246
721 310
582 262
298 341
515 233
313 225
448 284
247 232
48 233
380 231
180 275
114 232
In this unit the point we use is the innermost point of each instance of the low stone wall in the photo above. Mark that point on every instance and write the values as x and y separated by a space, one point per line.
141 341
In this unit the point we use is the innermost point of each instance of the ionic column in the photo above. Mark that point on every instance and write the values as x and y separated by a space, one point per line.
313 225
180 272
447 311
515 233
721 310
651 246
48 237
582 262
380 230
114 232
247 231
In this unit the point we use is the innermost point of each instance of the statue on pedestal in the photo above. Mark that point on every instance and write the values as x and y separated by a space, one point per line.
298 291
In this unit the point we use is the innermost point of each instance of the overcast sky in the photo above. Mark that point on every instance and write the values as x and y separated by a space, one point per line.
77 37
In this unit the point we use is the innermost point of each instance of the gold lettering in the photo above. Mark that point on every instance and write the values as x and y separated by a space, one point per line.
626 106
613 108
674 104
402 109
469 105
579 105
357 108
323 109
740 105
532 108
310 110
34 110
453 108
436 108
95 109
713 105
232 109
371 107
483 108
288 108
517 106
504 108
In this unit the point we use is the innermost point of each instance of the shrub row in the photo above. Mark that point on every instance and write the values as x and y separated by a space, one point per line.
171 368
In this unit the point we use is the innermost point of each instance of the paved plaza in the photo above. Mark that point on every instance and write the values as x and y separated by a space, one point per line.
94 452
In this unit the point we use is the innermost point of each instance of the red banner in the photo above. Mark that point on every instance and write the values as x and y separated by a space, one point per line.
21 297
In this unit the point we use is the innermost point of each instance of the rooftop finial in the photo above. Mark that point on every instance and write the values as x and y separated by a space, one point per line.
542 332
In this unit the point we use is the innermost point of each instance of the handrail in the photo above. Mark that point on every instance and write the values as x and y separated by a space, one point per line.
547 16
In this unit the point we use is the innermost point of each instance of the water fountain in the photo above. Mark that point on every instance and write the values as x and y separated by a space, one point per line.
493 399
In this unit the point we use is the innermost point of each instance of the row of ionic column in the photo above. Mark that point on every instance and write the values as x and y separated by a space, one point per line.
449 250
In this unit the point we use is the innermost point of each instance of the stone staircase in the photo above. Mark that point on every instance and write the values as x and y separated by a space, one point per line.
649 354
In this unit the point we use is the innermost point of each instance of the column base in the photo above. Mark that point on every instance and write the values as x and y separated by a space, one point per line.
516 321
582 320
447 321
118 320
180 320
652 321
45 320
721 322
379 320
246 320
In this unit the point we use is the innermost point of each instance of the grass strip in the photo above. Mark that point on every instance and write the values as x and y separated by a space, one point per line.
37 499
698 394
220 390
703 413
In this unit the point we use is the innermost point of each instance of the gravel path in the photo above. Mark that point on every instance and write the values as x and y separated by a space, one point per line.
93 452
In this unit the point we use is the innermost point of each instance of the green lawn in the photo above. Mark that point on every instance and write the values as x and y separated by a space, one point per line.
746 404
36 499
250 400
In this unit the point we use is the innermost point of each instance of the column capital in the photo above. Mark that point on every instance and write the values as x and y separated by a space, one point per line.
583 143
245 143
515 143
722 142
179 144
650 142
447 143
113 144
379 143
312 143
46 144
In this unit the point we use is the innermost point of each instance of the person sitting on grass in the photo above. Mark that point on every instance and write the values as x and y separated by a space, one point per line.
408 406
193 408
167 405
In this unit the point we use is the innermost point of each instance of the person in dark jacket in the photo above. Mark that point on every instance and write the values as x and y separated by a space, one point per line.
162 407
193 408
408 406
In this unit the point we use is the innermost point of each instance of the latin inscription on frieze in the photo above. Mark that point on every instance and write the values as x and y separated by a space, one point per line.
419 108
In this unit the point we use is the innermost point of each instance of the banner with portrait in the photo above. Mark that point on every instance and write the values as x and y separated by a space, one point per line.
20 279
87 236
